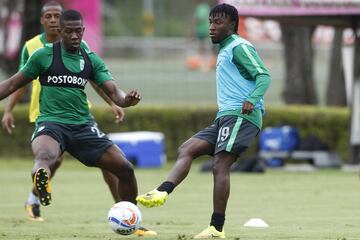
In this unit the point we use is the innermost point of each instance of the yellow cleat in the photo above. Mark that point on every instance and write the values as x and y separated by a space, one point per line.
209 233
42 186
143 232
153 198
33 212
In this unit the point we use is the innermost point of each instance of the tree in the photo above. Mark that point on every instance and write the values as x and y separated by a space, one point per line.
30 27
298 52
7 64
336 93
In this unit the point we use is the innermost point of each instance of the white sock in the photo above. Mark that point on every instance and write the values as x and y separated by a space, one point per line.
33 199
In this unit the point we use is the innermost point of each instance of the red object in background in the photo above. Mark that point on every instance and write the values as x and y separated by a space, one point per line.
242 27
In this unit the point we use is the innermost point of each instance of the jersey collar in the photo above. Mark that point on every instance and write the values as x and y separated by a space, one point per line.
227 41
64 52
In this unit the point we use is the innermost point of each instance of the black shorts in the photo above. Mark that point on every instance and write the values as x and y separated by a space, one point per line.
85 142
232 134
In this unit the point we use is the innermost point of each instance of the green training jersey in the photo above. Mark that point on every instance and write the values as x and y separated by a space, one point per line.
240 76
29 47
63 77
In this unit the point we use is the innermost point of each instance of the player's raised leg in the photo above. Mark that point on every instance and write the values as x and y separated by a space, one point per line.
46 151
32 204
188 151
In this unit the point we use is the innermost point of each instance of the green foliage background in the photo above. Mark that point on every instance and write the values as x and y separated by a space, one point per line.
331 125
171 17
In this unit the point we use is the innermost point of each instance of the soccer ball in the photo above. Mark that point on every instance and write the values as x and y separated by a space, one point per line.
124 218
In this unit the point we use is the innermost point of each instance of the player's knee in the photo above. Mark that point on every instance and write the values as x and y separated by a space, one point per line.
46 156
220 167
107 179
125 171
215 167
183 151
129 169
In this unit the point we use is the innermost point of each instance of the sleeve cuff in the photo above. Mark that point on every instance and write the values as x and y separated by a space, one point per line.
252 101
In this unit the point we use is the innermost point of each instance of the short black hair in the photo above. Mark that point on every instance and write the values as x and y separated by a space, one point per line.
70 15
227 10
50 4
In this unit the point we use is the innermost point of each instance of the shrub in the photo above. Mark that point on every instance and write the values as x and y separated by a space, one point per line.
331 125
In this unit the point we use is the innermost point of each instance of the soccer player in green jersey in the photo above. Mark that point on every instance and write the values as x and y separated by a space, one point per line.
241 81
65 122
49 19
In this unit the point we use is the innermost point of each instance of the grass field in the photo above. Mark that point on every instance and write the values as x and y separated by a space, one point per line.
298 206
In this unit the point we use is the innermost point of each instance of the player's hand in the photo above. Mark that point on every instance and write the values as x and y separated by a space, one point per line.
7 122
119 113
247 108
132 98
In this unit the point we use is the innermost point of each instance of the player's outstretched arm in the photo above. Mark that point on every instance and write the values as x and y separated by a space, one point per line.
118 96
7 120
10 85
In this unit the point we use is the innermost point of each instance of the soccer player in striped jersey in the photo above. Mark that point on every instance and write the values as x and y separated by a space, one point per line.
241 81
